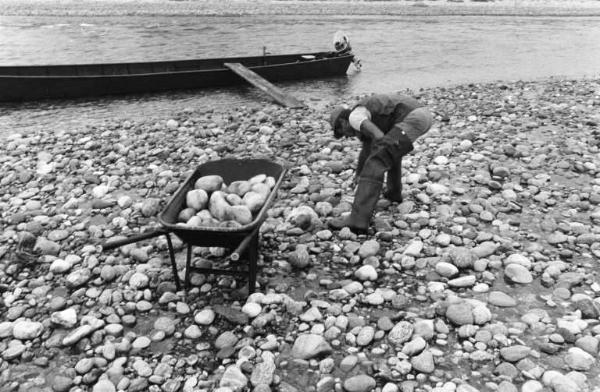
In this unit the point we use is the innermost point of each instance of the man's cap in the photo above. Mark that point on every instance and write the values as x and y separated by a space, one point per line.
341 111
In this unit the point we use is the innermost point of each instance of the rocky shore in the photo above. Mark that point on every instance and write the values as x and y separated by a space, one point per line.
483 279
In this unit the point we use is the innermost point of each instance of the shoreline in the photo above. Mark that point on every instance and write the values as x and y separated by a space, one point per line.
72 8
108 114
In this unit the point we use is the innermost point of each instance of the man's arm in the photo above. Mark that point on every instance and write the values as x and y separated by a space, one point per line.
360 120
371 130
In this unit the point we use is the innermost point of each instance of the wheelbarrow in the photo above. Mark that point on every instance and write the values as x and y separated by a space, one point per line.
243 240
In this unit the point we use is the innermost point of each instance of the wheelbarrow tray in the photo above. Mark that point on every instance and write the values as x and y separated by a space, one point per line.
230 170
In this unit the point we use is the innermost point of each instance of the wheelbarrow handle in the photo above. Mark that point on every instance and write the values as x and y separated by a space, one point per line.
235 256
112 244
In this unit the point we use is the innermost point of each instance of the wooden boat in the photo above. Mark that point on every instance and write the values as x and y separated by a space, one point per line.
25 83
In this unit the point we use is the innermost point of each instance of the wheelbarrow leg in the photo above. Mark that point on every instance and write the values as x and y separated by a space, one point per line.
252 263
188 267
173 263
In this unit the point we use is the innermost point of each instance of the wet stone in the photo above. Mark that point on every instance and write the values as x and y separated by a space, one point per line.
365 336
518 274
226 339
506 386
588 308
263 373
166 325
446 269
415 346
368 248
308 346
459 314
61 383
507 369
233 378
588 344
514 353
500 299
142 368
27 330
235 316
423 362
577 359
204 317
366 273
401 333
348 363
359 383
14 351
461 257
463 281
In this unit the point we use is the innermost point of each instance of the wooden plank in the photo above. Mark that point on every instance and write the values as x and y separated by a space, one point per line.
256 80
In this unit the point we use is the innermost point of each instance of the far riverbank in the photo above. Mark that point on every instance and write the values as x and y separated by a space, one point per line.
295 7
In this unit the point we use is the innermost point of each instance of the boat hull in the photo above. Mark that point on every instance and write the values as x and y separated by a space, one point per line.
28 83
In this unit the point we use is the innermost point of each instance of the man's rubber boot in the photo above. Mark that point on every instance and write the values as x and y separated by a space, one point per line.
364 203
394 183
365 151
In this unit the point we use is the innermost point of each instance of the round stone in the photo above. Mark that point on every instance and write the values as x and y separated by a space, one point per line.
359 383
252 309
205 316
366 272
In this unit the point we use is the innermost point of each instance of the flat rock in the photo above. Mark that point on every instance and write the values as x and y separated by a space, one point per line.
14 351
514 353
27 330
577 359
517 258
263 373
308 346
77 334
233 378
235 316
588 344
66 318
463 281
414 249
500 299
6 328
423 362
518 274
459 314
446 269
226 339
61 383
60 266
532 386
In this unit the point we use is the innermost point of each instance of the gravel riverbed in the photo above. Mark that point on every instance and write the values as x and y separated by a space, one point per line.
484 278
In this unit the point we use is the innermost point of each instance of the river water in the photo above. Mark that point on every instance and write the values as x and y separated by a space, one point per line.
397 53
